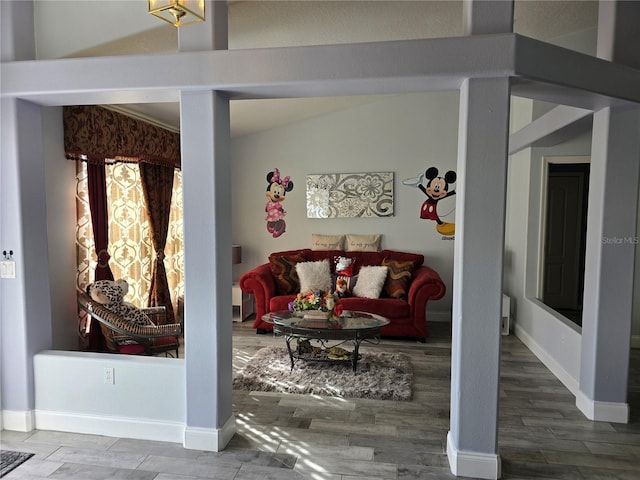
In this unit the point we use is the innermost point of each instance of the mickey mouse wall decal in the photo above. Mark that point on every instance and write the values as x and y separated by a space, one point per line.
277 189
436 189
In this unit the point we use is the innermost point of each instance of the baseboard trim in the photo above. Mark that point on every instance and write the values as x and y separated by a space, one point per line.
615 412
18 420
210 439
472 464
110 426
555 368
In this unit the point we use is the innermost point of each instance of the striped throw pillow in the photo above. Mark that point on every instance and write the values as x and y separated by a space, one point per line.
398 278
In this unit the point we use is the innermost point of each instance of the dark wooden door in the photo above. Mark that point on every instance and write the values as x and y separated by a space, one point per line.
563 281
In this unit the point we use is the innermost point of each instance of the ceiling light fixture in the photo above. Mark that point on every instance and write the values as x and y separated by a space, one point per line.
178 12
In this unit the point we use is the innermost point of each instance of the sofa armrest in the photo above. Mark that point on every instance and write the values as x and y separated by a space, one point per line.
261 284
426 285
426 280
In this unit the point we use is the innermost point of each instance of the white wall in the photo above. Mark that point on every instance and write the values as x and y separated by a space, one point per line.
61 227
53 42
635 324
404 134
555 340
146 400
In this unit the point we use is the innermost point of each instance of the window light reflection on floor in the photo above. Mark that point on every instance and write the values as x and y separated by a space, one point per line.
282 439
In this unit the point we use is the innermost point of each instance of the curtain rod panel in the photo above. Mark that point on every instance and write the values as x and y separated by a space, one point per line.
97 135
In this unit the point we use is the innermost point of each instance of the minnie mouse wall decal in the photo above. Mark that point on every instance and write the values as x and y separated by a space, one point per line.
277 189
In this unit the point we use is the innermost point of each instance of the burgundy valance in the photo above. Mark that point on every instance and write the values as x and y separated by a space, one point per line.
97 135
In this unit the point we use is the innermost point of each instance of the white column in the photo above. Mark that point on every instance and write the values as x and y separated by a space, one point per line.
25 309
477 280
206 177
609 262
472 442
209 35
611 230
487 16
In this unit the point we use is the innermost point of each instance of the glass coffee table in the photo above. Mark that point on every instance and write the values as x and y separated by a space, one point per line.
351 328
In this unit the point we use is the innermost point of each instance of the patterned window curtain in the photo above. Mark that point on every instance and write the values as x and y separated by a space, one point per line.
85 248
99 136
97 189
157 186
130 240
174 248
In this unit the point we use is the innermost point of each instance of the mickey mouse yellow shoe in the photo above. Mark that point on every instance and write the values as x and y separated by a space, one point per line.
447 229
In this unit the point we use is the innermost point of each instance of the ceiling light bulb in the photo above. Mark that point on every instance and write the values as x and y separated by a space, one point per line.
177 14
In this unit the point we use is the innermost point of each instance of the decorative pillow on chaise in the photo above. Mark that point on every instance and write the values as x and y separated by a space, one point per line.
370 281
398 278
326 242
284 272
363 243
111 294
314 275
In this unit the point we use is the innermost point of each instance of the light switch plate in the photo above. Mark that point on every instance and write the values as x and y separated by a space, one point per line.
8 269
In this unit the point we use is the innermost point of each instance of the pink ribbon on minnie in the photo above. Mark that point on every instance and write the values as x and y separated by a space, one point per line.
276 178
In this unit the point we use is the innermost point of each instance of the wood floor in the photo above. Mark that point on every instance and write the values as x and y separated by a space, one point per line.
542 434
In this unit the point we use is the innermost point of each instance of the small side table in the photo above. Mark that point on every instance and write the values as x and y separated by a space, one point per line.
241 302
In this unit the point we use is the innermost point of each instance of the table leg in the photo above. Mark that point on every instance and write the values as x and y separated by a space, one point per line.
356 347
288 340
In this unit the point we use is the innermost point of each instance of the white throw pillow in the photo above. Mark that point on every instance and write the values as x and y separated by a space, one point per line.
370 281
314 275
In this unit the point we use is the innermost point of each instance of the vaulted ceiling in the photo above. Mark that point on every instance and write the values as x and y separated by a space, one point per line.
125 28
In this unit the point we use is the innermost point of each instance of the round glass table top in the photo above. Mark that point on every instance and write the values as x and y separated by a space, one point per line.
312 320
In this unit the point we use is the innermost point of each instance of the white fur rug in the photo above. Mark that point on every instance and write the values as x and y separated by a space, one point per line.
382 376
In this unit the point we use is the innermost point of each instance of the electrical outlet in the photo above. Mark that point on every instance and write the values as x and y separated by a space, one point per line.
8 269
109 378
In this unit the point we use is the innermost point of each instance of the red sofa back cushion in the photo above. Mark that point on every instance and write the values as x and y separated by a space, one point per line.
362 258
416 258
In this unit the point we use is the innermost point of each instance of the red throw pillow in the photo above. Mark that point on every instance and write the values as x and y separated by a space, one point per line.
344 266
131 349
398 277
284 272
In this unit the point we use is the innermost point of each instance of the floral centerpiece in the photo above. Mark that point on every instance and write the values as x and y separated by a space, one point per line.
317 300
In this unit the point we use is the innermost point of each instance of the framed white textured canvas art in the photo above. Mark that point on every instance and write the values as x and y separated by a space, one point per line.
348 195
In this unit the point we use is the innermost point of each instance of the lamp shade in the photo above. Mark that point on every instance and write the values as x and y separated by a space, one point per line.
178 12
236 254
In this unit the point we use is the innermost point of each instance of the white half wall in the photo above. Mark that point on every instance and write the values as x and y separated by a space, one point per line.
554 339
559 350
146 400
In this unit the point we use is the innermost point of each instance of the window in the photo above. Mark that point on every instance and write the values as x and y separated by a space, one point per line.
130 244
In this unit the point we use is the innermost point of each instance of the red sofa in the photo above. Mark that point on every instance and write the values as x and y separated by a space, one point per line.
407 316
